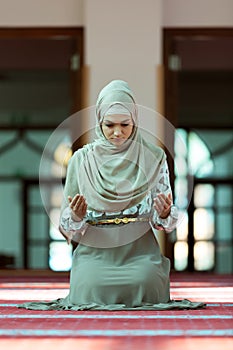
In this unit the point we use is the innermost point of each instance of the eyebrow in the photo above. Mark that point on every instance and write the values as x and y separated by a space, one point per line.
123 121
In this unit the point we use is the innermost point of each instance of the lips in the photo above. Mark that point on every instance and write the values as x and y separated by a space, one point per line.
118 139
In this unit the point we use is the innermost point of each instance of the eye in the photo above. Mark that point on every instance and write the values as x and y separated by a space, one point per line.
109 125
124 124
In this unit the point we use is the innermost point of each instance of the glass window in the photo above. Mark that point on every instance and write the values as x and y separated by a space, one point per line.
34 196
21 161
11 221
54 224
224 258
203 224
204 195
224 196
180 166
38 226
220 144
181 142
181 192
209 155
40 96
56 197
194 158
203 256
182 228
6 137
224 226
199 156
60 256
38 257
181 255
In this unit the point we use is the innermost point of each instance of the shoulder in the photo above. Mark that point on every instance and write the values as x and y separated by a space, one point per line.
77 156
157 152
160 152
81 152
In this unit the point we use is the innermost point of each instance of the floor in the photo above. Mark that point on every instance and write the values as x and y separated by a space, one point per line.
209 328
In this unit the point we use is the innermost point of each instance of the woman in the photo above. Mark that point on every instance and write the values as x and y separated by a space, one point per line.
117 194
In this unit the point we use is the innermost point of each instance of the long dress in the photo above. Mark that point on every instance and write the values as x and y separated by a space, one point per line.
119 268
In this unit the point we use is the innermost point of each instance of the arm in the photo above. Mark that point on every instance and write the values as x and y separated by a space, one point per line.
69 228
72 219
164 213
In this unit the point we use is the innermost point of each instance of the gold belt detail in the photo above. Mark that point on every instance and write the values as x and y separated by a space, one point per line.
117 221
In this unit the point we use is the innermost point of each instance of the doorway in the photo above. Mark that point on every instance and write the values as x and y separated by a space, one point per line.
40 86
198 102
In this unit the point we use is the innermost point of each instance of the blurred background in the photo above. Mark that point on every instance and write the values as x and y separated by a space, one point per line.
177 56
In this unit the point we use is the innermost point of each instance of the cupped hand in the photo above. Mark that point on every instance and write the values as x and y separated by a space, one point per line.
162 205
78 206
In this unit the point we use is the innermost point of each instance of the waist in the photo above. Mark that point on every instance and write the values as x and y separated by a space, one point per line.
117 221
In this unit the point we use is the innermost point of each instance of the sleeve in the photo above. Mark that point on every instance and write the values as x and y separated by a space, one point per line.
163 186
70 229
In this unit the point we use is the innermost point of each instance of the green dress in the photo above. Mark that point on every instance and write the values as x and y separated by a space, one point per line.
134 276
119 267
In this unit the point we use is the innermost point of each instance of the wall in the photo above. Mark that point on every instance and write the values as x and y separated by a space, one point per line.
123 41
32 13
197 13
123 38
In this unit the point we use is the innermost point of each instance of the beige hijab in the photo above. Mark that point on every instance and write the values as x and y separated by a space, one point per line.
113 178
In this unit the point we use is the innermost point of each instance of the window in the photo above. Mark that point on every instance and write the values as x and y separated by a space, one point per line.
192 158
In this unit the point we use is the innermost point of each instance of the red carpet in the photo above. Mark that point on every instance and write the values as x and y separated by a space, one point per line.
210 328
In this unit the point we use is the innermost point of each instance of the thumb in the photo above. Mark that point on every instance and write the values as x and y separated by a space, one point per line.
70 199
170 196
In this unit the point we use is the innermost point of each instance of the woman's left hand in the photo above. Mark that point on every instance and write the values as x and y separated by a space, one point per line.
162 205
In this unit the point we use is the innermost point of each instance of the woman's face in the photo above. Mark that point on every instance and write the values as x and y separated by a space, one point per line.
117 128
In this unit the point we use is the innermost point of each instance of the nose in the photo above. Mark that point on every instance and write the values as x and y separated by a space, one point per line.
117 130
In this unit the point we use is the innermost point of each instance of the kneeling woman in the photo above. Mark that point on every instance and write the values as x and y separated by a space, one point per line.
117 194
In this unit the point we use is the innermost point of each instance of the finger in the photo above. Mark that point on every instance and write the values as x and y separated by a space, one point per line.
74 202
76 198
80 205
166 200
159 201
84 209
162 206
157 205
170 196
158 208
162 200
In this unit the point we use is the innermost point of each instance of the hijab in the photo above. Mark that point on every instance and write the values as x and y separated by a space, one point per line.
114 177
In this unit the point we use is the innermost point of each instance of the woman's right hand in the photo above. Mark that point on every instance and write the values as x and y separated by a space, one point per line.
78 206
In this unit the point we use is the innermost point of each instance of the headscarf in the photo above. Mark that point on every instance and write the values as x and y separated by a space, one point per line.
113 178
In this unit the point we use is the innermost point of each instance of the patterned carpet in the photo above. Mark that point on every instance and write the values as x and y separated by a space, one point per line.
209 328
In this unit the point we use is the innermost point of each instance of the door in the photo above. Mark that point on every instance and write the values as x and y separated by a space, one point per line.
40 86
198 102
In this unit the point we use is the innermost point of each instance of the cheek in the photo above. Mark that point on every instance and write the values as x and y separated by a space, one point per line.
130 130
106 131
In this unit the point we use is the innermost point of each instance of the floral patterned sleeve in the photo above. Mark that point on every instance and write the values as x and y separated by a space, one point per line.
70 229
163 186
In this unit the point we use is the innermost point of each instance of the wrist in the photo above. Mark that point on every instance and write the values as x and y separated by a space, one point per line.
75 217
165 215
173 212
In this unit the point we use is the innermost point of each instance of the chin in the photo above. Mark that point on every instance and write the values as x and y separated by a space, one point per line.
118 142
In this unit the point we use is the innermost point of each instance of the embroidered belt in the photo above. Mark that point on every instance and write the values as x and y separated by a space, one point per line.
117 221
